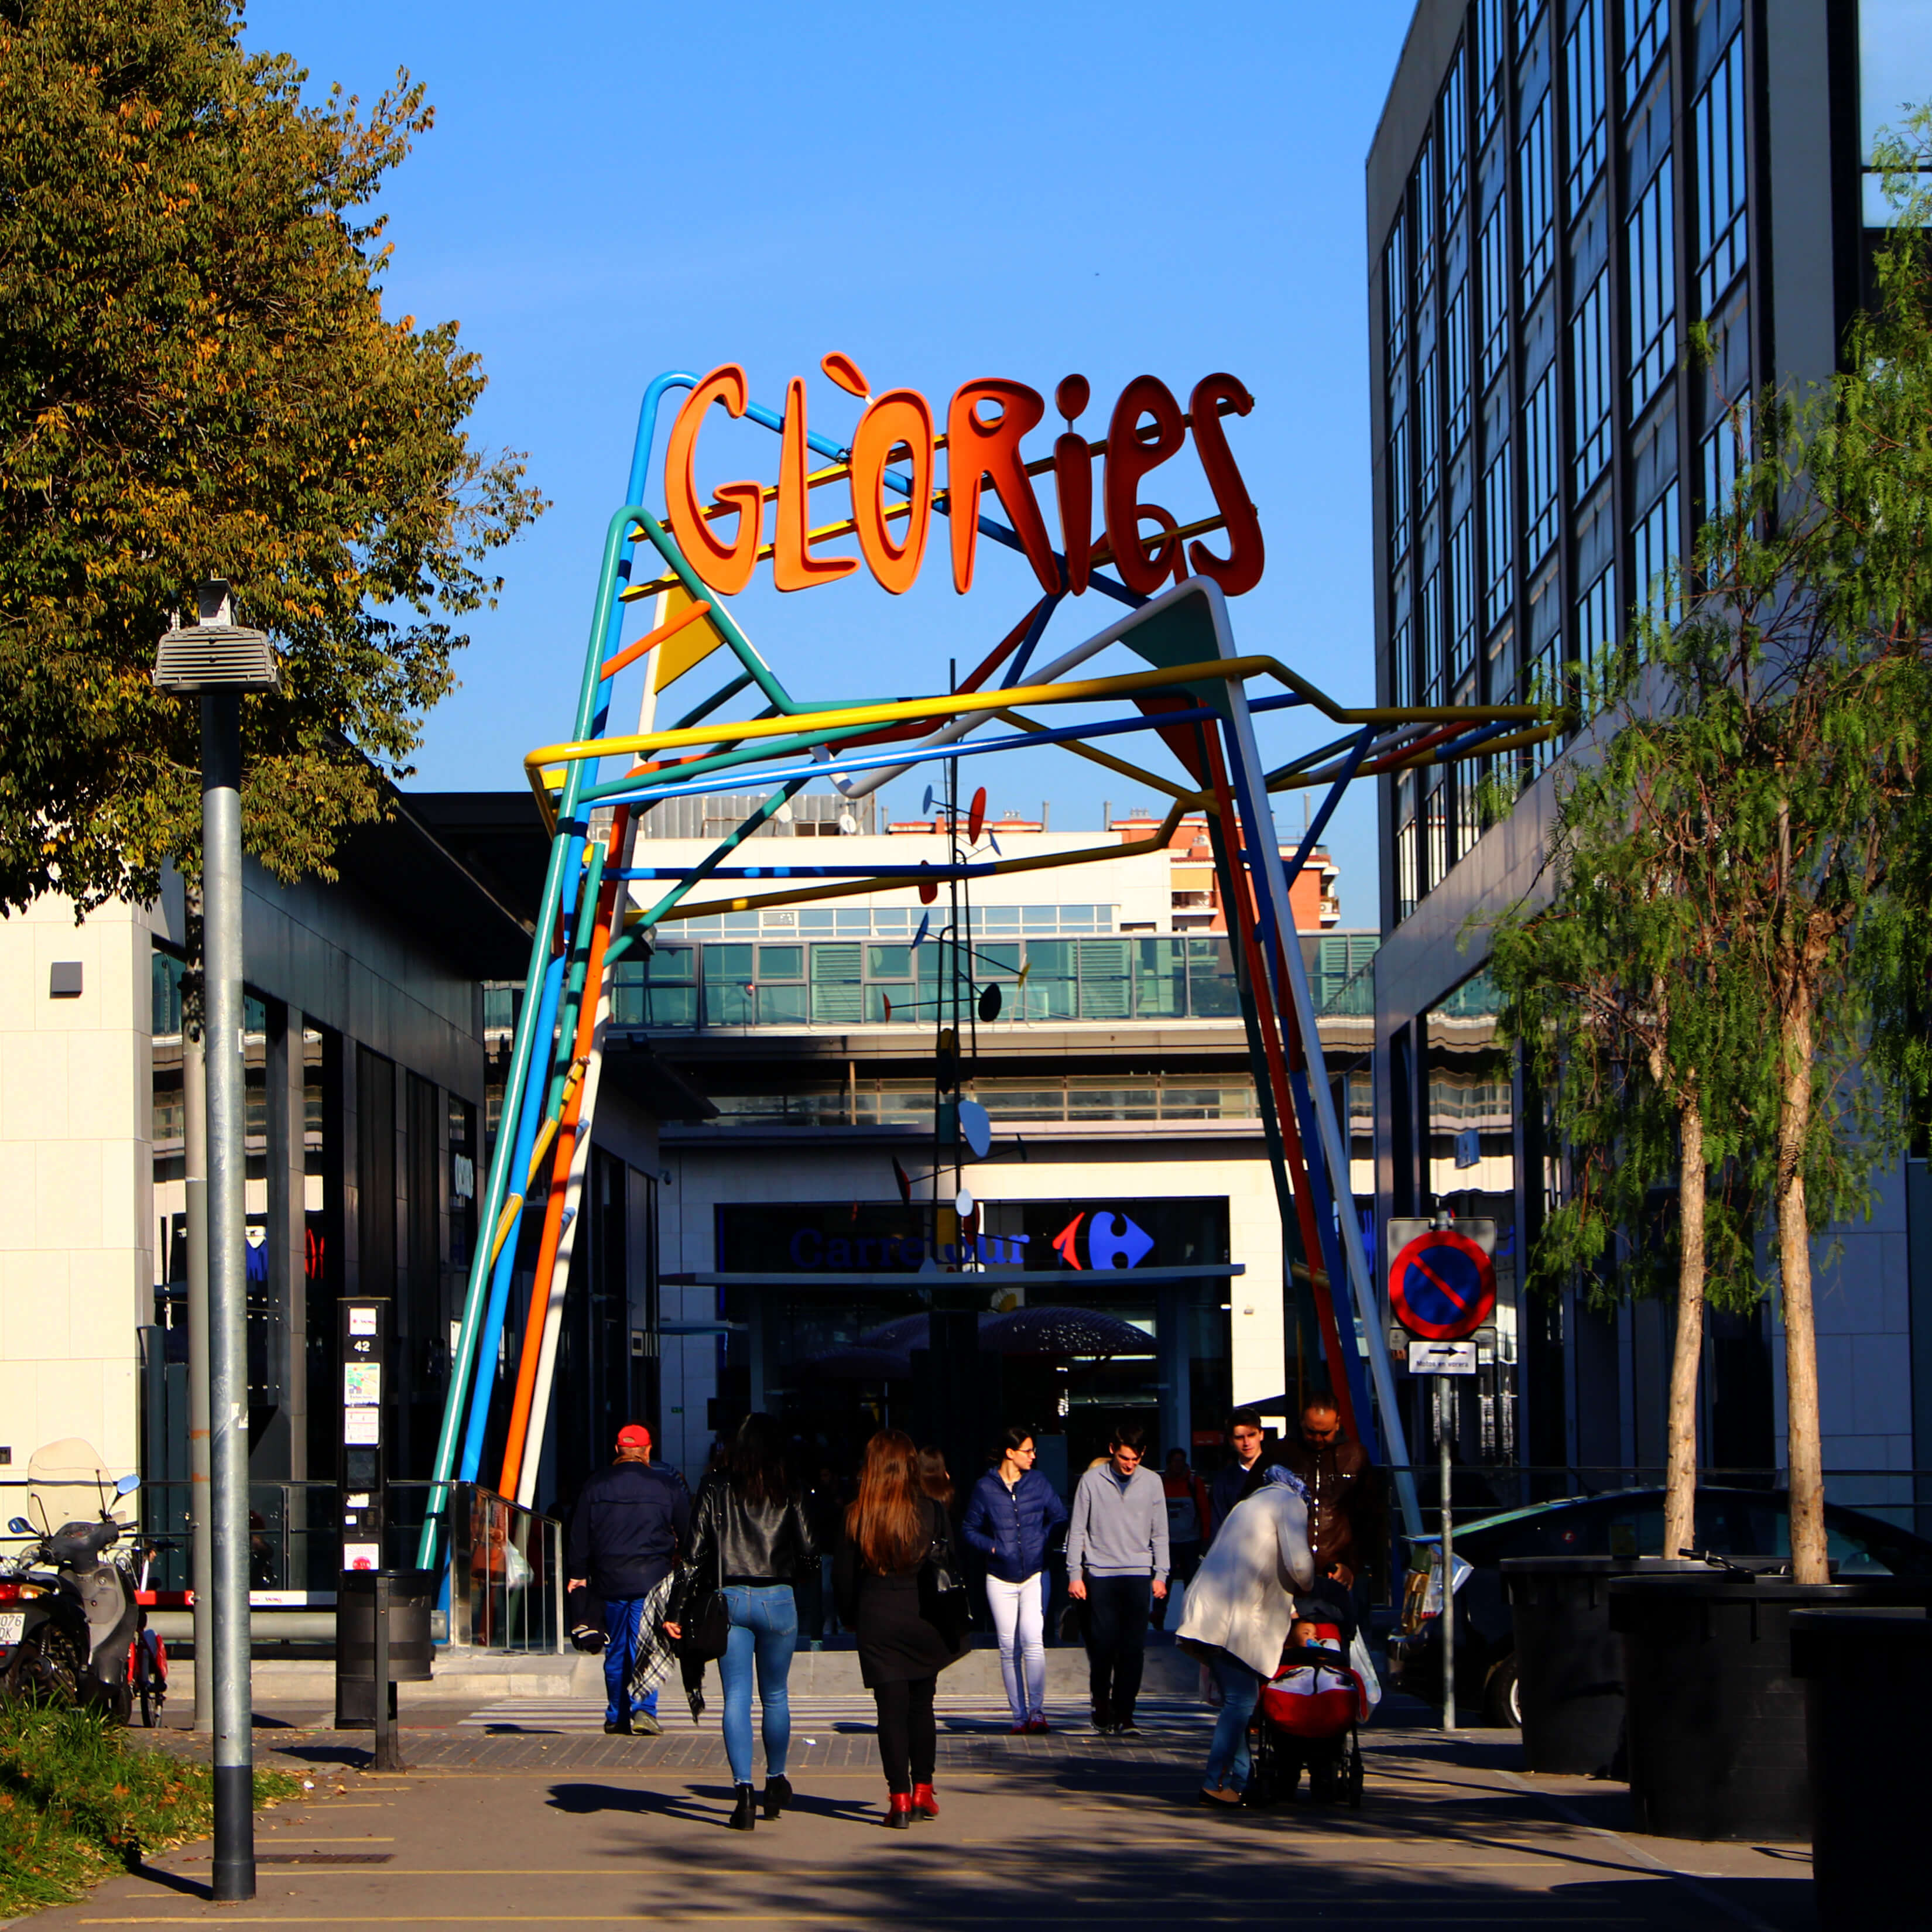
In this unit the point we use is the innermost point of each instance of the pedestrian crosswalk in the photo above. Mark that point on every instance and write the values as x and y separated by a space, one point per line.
835 1715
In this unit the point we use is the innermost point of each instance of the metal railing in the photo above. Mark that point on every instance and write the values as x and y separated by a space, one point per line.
1902 1498
506 1580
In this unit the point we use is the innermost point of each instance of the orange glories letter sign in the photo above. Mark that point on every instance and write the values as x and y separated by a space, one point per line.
794 566
1128 461
899 416
979 451
726 567
986 422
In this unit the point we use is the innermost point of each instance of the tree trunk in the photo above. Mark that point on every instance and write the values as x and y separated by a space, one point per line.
1680 1477
1803 1449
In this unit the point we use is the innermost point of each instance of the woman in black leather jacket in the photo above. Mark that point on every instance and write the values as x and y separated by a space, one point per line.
749 1536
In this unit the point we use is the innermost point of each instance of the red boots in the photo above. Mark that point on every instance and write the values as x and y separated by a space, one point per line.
898 1811
925 1803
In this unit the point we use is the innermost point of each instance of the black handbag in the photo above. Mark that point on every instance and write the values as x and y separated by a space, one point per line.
700 1611
942 1592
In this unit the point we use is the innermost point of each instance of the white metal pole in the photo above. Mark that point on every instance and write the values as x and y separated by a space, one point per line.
234 1868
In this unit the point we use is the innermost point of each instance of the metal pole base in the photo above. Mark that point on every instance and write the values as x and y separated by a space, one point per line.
234 1833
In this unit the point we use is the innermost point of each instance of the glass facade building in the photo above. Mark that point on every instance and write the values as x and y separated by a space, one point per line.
1597 229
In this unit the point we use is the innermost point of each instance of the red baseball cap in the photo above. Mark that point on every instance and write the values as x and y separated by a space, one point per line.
633 1435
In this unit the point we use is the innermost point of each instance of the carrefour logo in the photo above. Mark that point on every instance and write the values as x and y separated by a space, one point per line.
1113 1241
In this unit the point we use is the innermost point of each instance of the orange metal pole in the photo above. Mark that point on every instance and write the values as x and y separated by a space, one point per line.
514 1442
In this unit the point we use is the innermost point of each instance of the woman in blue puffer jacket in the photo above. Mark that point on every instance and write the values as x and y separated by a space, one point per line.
1013 1511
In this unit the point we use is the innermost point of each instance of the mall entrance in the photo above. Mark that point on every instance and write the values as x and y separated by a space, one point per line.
1061 1316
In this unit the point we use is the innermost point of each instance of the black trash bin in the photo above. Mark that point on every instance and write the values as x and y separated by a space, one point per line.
413 1595
1715 1719
1867 1679
1570 1663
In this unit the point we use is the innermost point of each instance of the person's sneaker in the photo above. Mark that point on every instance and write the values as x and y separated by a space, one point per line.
1039 1725
1127 1728
646 1725
616 1727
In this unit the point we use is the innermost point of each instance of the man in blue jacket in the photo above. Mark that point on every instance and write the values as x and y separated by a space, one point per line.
1013 1512
624 1534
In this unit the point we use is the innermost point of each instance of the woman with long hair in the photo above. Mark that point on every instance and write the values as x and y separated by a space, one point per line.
889 1530
935 1478
749 1534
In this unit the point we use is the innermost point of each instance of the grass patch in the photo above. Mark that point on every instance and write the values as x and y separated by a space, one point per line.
78 1803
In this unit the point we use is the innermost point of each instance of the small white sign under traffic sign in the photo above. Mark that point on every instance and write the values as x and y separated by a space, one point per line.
1442 1358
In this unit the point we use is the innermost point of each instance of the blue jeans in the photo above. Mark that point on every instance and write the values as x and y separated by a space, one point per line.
623 1624
764 1626
1240 1691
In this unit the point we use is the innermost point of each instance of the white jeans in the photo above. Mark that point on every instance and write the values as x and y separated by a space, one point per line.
1019 1617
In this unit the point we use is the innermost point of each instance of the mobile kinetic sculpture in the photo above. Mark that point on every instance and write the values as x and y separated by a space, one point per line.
1192 690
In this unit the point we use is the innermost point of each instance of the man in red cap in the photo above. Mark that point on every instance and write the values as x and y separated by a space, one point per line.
625 1532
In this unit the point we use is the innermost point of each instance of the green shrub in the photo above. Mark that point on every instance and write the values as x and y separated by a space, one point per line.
78 1802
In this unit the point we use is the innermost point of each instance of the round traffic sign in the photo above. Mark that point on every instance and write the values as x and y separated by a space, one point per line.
1442 1286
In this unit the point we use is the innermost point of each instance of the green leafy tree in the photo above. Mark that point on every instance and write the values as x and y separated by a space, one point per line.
1749 826
197 378
1643 1036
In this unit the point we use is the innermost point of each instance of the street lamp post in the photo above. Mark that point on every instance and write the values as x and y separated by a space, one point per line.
216 660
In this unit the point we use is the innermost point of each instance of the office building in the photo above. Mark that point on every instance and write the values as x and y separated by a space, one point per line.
1562 198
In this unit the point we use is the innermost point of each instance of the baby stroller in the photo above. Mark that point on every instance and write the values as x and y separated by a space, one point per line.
1307 1717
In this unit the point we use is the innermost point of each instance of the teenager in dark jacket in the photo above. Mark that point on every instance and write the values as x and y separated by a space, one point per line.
887 1534
1013 1512
624 1537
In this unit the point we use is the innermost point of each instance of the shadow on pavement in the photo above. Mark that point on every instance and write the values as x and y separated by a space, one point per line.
1131 1849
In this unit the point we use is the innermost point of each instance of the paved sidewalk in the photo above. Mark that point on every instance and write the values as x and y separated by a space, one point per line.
570 1828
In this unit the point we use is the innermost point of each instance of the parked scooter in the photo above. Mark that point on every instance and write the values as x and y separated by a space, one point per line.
68 1615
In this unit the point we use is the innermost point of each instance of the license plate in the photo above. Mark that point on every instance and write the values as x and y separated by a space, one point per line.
12 1623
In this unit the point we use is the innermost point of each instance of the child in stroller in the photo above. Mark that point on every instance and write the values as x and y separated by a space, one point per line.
1307 1717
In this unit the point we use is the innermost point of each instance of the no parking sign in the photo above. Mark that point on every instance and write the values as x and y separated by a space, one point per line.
1442 1285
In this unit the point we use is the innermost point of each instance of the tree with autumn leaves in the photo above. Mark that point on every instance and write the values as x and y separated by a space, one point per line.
197 378
1725 998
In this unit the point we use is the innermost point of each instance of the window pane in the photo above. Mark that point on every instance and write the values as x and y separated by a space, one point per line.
1590 379
728 962
836 990
781 962
1160 978
1583 61
1646 28
1494 252
1538 204
673 1006
1498 521
1539 467
1106 992
781 1006
1722 168
888 962
1653 288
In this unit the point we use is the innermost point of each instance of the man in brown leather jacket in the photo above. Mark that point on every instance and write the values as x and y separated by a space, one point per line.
1347 1520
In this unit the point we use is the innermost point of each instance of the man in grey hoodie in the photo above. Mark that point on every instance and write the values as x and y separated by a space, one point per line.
1116 1565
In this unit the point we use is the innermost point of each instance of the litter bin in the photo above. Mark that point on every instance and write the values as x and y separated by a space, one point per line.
413 1595
1716 1720
1569 1662
1867 1679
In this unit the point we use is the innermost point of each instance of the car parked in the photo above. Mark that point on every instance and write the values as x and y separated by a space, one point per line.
1737 1523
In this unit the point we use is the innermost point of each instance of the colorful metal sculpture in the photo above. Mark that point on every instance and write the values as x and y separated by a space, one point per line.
1193 691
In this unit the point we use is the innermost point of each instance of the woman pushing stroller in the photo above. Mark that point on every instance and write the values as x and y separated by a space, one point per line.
1240 1610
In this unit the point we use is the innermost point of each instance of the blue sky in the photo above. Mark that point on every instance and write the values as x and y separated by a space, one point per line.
941 193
